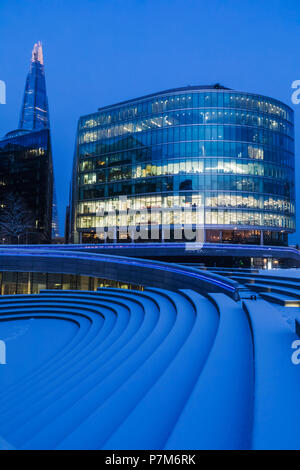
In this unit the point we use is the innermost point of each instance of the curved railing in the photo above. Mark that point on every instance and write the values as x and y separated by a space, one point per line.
131 270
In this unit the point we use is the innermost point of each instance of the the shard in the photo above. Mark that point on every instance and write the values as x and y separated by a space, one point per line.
34 113
26 167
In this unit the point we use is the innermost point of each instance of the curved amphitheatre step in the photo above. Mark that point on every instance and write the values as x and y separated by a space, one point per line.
149 370
90 311
286 294
147 315
281 299
133 352
270 281
277 380
83 361
176 383
271 288
264 277
218 414
288 286
117 408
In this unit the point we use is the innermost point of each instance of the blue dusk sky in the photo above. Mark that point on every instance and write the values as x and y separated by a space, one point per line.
98 52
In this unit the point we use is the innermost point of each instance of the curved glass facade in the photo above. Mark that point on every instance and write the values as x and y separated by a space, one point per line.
229 152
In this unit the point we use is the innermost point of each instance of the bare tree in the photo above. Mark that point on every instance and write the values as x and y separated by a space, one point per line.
15 218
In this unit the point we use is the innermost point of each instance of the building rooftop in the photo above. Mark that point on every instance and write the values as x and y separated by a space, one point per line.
216 86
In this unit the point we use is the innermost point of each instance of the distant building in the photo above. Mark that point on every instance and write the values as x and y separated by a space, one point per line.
67 225
228 152
26 168
55 224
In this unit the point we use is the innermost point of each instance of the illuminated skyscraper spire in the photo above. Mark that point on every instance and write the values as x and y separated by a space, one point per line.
34 112
37 53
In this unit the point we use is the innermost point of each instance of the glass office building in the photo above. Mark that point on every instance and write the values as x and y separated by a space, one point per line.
230 153
26 174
